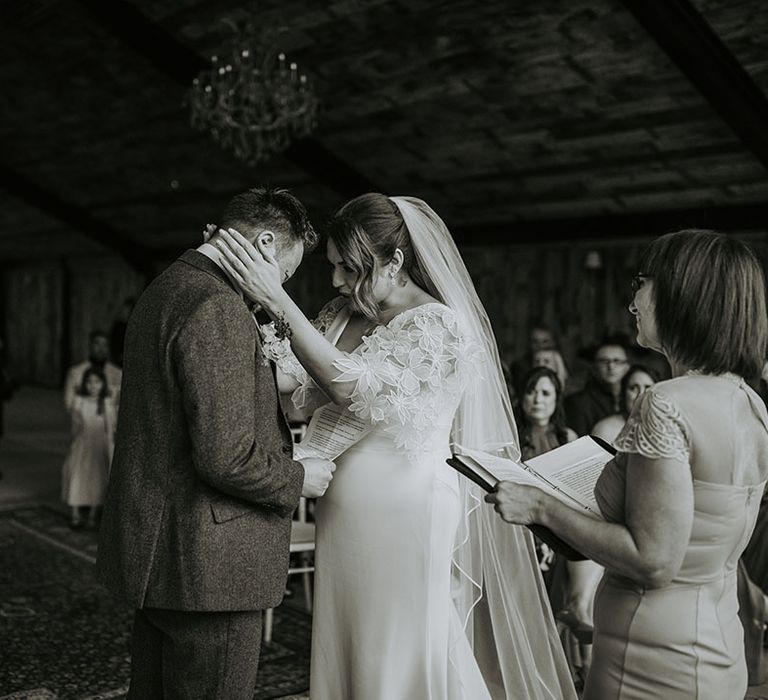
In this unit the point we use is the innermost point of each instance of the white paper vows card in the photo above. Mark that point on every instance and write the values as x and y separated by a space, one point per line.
332 430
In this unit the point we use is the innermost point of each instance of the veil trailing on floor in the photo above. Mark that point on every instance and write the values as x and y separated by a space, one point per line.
498 590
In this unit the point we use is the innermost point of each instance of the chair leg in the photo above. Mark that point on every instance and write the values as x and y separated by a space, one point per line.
307 576
267 631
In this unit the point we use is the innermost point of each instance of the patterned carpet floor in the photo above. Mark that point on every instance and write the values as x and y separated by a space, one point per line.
63 636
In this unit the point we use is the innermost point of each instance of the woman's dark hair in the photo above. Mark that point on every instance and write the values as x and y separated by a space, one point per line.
709 293
557 421
83 388
367 231
634 369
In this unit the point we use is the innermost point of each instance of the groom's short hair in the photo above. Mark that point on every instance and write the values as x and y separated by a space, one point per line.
276 210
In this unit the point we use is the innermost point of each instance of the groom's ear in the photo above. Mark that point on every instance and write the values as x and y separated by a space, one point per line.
266 242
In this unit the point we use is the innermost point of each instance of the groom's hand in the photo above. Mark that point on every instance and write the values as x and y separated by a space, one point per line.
317 475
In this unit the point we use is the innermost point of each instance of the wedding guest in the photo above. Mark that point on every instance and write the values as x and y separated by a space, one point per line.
86 468
681 499
600 397
542 427
98 359
637 379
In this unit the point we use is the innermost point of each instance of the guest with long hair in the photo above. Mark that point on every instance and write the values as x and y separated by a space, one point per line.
540 408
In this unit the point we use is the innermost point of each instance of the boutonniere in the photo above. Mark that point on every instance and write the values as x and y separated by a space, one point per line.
274 346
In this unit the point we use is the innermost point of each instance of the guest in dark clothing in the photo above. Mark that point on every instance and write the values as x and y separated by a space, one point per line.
601 396
542 422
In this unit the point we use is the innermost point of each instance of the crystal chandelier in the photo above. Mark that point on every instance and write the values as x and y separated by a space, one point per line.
253 102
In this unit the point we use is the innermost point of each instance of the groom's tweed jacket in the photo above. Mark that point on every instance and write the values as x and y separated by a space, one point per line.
197 515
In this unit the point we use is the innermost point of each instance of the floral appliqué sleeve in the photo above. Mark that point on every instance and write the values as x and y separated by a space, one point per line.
279 351
405 373
655 429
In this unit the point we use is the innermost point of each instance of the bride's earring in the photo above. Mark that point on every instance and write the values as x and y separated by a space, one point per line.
393 278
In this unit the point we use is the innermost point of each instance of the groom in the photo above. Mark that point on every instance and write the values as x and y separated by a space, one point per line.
197 520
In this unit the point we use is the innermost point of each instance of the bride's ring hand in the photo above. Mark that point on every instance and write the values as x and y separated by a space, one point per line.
255 271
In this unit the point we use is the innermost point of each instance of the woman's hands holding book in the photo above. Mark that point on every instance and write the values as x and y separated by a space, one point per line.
519 504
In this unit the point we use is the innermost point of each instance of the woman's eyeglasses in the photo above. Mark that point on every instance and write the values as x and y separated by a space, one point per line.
637 281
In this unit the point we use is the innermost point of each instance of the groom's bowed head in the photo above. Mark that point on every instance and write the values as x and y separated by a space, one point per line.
274 221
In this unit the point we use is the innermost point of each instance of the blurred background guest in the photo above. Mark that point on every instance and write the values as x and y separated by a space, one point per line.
540 409
98 359
637 379
86 469
600 397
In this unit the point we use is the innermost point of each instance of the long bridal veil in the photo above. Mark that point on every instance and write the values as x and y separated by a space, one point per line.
499 592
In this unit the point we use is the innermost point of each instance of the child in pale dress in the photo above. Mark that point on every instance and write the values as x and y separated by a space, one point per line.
86 468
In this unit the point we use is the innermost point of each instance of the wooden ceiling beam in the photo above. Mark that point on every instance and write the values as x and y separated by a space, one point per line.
743 217
182 64
689 40
73 217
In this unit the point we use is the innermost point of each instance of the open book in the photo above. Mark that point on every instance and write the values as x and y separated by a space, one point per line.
568 473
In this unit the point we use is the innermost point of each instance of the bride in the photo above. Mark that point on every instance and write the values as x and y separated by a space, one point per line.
419 592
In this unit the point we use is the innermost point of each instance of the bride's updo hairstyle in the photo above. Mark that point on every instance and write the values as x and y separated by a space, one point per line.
367 231
709 295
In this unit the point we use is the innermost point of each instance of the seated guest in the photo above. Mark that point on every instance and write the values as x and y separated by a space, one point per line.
681 498
601 395
540 407
541 429
637 379
98 354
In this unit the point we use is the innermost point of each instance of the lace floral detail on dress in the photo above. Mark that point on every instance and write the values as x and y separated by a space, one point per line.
655 429
406 372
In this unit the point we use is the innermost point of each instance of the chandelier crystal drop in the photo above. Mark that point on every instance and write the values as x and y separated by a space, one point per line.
253 101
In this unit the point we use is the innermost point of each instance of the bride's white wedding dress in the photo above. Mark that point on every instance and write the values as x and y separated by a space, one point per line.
385 626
